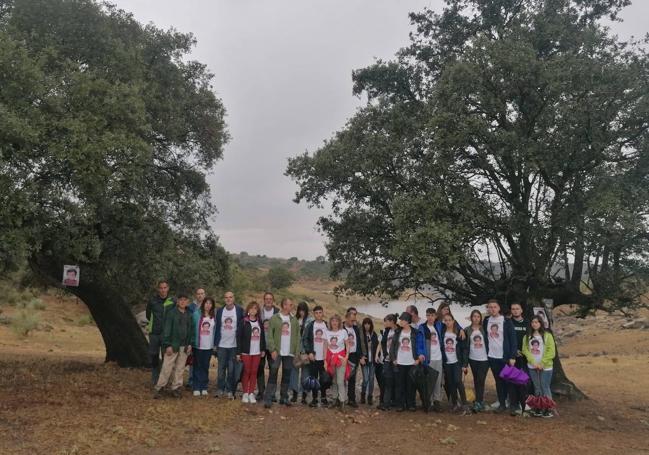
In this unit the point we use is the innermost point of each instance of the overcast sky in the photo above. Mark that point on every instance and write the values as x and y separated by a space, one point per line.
283 69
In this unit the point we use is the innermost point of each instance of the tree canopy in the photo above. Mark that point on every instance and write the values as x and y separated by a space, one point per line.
503 153
107 131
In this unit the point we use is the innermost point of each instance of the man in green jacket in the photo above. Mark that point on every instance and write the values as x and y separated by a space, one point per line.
177 339
282 341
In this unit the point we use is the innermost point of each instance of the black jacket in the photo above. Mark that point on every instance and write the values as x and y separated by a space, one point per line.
244 332
371 356
394 348
307 337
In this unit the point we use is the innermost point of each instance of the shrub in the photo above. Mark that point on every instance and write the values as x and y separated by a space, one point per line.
85 320
24 323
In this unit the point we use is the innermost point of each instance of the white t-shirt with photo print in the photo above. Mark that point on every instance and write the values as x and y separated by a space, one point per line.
336 340
450 347
435 351
319 330
404 353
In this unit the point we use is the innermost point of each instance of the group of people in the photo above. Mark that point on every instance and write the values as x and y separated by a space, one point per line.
317 356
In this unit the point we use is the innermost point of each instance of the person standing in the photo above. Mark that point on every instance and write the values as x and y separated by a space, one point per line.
429 352
478 360
404 357
414 314
283 342
336 358
356 356
204 324
313 340
369 345
177 340
251 346
387 397
519 392
225 342
297 375
501 348
454 355
156 310
199 295
539 350
268 310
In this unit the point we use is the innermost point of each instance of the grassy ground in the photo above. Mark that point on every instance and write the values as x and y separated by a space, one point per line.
58 397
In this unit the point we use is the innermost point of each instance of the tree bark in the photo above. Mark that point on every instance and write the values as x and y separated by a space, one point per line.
123 338
561 385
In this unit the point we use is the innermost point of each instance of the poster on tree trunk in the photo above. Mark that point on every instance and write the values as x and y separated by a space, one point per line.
71 275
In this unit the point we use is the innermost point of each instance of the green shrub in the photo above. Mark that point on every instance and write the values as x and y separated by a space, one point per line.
85 320
24 323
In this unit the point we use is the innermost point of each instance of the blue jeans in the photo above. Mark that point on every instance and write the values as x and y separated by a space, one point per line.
367 387
200 369
226 357
542 381
297 375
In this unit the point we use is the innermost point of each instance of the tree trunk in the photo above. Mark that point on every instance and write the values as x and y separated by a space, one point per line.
561 385
123 338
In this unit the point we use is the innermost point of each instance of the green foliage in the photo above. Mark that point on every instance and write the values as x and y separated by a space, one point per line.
507 141
106 133
25 322
280 278
85 320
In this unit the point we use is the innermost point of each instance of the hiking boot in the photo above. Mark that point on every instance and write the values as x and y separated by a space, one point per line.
437 406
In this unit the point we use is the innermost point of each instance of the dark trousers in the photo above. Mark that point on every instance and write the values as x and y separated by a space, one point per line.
261 375
201 368
286 364
351 382
518 393
155 352
378 373
405 387
496 366
454 386
479 370
316 371
388 391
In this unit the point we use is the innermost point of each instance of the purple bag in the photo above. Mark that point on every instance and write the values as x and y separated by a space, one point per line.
514 375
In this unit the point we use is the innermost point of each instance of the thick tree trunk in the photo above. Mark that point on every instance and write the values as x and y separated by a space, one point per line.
561 385
123 338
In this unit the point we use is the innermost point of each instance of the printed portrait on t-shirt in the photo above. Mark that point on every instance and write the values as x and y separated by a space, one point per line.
318 336
255 334
227 324
450 345
285 329
433 338
536 347
333 342
494 334
405 345
477 342
205 328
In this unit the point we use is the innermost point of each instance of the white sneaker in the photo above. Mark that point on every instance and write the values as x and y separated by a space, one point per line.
197 393
251 398
204 393
245 399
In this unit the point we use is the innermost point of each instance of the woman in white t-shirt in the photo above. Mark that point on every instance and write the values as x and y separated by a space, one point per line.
336 347
454 356
403 358
203 319
478 360
251 347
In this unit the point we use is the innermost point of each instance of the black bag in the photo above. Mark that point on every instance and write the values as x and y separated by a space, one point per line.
424 379
325 380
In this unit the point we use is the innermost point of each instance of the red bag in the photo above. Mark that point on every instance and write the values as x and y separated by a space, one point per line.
190 360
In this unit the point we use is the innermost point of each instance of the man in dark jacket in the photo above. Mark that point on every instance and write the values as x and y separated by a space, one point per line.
268 310
356 354
313 342
156 309
519 396
501 348
177 339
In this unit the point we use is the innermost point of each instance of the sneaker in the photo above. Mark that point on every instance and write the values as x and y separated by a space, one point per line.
251 398
313 404
218 393
244 398
230 396
294 398
260 397
547 414
500 409
204 393
267 404
515 412
176 393
352 404
197 393
437 406
157 395
324 402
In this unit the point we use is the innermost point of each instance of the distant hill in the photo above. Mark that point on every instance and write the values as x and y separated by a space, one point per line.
317 269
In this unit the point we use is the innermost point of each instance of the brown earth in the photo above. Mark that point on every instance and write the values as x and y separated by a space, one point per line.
58 397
